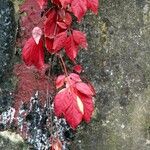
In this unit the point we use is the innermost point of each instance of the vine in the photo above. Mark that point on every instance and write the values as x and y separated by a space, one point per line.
50 23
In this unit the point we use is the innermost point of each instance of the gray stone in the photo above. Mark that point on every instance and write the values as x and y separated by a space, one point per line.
118 64
7 43
10 140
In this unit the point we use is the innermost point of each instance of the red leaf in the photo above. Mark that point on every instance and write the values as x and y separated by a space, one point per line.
50 23
61 102
64 17
62 25
68 19
36 33
75 77
59 41
79 8
88 107
77 68
65 103
72 79
71 48
73 115
41 3
84 88
64 3
33 54
56 145
49 44
73 42
60 81
57 2
73 107
80 38
92 88
93 5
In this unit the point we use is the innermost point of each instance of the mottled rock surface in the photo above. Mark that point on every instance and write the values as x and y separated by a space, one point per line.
7 43
11 141
118 64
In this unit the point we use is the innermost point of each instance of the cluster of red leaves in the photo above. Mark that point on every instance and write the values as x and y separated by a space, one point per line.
77 7
52 30
56 36
74 101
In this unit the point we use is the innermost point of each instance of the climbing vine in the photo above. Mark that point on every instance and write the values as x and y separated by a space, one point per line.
47 31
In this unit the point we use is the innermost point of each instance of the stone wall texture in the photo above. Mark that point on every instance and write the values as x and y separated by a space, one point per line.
118 64
7 44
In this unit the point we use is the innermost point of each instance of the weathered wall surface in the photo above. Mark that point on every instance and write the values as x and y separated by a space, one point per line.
7 44
8 140
118 63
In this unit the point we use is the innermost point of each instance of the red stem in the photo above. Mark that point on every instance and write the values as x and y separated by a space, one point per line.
63 64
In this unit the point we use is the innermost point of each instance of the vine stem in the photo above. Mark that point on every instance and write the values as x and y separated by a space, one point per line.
65 70
63 64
